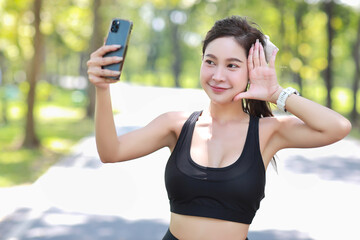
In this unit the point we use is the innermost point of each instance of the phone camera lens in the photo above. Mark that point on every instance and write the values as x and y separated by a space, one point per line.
115 26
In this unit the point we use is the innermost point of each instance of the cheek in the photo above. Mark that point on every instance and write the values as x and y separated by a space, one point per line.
246 72
245 75
205 72
240 80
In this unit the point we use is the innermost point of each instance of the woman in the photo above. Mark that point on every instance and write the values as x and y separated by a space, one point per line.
215 176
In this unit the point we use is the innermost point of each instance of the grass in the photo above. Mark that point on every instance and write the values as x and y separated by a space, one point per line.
60 124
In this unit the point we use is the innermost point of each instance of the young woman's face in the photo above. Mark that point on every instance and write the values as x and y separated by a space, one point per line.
224 71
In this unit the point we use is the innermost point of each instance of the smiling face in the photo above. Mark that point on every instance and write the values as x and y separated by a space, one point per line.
224 71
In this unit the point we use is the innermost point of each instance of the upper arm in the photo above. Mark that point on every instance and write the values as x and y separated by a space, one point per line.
292 132
277 133
160 132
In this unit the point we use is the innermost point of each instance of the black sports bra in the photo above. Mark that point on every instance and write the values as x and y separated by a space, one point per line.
231 193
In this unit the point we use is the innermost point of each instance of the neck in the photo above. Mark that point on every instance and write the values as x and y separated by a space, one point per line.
226 113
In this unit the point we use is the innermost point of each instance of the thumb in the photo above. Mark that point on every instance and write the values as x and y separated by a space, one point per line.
273 57
242 96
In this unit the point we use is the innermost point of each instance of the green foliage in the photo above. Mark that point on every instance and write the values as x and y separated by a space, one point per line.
19 167
58 136
60 125
297 27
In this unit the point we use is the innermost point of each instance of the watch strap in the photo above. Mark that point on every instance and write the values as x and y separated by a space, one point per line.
285 93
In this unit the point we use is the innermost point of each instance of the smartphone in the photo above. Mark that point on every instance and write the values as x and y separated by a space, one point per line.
119 34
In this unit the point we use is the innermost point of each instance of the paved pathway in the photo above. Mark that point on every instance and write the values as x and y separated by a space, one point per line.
315 195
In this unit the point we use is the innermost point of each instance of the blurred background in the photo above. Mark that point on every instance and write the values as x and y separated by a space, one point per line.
47 105
47 110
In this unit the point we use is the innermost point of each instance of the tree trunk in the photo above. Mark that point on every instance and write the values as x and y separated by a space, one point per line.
329 6
96 42
177 62
300 10
4 105
356 55
34 70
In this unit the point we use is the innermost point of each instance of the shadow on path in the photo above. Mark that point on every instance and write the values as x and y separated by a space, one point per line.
277 235
55 224
328 168
90 161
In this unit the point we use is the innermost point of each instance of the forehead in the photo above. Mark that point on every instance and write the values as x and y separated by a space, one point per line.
225 47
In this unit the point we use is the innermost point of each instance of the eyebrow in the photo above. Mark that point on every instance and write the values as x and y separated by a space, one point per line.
233 59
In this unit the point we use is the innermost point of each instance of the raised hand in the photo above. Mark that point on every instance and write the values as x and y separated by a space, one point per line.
262 76
97 75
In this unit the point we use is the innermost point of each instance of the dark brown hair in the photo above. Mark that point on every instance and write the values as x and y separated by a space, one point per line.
245 33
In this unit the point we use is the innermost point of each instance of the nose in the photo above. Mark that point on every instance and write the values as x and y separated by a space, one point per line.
219 74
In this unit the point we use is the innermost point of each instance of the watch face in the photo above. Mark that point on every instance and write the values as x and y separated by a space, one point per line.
291 90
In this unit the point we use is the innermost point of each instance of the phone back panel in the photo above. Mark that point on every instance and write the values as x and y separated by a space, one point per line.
119 37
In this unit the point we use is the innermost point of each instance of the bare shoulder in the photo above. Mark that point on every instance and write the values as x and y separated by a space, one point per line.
163 131
173 123
174 120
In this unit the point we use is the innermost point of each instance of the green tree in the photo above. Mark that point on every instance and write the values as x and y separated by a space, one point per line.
355 86
328 78
31 140
4 99
95 42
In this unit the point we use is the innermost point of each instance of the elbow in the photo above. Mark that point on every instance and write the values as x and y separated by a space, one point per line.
346 127
106 158
343 129
110 158
107 155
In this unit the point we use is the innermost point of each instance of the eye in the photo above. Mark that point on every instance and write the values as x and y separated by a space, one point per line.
232 65
208 61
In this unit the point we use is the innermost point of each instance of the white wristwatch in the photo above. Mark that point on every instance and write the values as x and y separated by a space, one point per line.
283 96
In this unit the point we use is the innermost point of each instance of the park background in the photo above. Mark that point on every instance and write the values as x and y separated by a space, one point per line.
47 105
47 109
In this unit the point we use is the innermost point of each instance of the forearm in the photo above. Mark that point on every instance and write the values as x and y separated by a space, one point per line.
318 117
105 131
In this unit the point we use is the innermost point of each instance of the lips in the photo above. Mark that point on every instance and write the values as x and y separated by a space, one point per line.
218 89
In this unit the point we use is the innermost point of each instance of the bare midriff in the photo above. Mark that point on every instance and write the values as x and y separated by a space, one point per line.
186 227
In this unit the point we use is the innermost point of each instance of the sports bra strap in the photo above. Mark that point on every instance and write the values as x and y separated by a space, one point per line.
185 129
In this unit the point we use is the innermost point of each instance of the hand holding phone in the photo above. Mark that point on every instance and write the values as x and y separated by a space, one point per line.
119 34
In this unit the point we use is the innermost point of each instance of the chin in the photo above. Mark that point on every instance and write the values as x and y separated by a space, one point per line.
222 100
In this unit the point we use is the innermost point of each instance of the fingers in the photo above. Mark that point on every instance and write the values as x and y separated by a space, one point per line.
262 58
273 57
103 61
99 72
243 95
104 49
257 56
95 67
97 75
101 81
256 59
250 57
